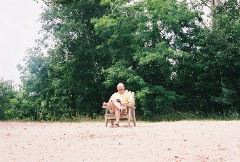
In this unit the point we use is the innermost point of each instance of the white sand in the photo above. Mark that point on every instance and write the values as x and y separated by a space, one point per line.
185 141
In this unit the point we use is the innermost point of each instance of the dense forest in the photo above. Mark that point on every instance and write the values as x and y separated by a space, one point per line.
177 60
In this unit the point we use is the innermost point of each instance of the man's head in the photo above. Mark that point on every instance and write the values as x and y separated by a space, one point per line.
120 88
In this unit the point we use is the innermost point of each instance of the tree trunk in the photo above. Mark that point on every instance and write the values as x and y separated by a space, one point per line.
216 2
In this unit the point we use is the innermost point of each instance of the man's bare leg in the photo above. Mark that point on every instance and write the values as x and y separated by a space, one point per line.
118 107
117 116
106 105
114 107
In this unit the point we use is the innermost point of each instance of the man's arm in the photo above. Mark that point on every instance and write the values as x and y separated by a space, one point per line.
112 97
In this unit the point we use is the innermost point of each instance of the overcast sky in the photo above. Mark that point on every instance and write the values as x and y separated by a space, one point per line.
18 30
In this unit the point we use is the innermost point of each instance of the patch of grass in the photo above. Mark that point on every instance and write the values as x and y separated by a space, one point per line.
190 116
82 118
177 116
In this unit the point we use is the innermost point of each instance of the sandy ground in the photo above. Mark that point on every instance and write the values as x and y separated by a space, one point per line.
190 141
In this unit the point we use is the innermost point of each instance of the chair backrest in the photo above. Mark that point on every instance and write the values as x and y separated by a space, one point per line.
131 99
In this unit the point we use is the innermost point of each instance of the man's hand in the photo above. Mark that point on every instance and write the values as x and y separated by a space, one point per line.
123 106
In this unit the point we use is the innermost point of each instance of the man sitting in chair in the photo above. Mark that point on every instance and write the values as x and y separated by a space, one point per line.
118 102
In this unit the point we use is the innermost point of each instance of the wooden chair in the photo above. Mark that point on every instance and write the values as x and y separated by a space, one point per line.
129 115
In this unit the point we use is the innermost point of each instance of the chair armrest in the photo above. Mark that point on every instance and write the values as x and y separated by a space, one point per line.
106 112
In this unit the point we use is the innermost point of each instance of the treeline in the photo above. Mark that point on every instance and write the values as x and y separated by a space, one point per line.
164 50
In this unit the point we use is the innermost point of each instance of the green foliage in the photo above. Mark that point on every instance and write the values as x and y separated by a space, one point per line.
220 57
161 49
7 99
65 83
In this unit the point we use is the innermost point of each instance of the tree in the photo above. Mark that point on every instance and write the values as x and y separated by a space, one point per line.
150 42
67 81
221 54
7 94
160 49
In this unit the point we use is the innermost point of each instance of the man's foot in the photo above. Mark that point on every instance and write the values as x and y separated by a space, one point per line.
104 105
116 125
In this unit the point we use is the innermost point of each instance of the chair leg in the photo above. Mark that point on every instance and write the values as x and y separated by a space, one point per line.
106 122
129 116
134 118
